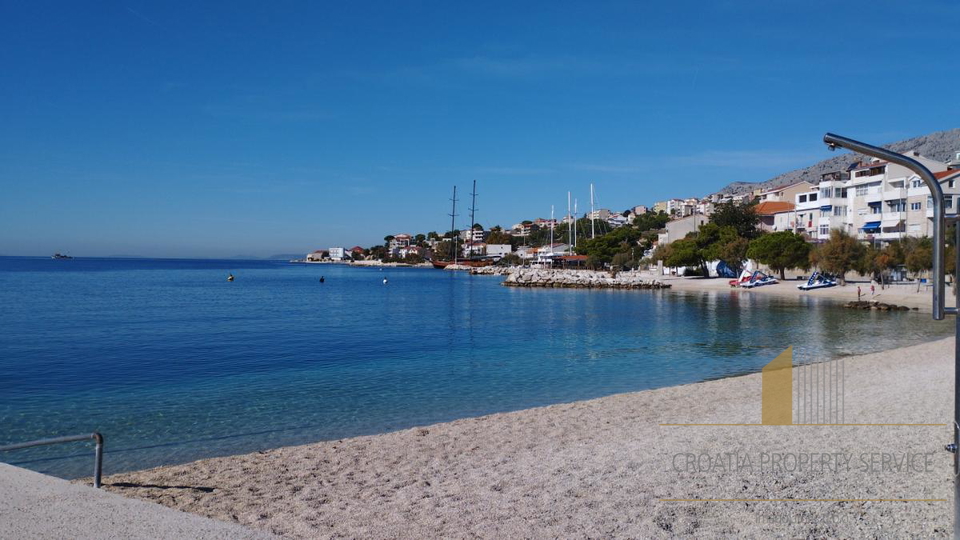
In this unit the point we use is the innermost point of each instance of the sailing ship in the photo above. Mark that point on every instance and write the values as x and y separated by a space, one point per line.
472 261
60 256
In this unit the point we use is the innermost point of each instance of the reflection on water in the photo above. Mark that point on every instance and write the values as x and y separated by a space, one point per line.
172 363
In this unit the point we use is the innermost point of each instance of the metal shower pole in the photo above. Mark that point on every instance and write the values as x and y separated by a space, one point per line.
939 280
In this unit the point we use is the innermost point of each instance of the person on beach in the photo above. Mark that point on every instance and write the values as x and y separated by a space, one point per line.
858 293
872 290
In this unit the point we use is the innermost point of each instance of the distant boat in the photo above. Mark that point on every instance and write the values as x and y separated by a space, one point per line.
472 261
230 277
60 256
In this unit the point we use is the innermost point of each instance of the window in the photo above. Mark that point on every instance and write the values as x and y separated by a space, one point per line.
876 209
813 196
840 192
897 206
803 198
916 206
950 183
861 190
824 230
949 201
839 210
824 213
916 183
825 192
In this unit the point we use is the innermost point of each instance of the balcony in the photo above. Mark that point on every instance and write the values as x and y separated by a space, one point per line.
872 196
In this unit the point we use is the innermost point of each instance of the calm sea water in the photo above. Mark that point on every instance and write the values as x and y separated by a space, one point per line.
172 363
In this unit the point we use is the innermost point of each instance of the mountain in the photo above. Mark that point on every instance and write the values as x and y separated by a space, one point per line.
939 145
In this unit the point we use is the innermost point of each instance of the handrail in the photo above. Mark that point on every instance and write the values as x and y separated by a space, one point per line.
98 453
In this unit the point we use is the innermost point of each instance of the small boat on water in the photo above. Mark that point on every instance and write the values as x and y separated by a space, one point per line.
818 280
60 256
230 277
759 279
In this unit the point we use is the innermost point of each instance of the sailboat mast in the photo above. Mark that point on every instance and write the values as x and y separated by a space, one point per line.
569 228
551 233
473 217
574 224
593 233
453 225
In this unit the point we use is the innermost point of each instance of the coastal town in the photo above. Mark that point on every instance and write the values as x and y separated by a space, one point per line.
881 211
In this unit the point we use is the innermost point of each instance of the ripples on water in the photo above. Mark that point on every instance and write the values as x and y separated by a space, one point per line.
173 363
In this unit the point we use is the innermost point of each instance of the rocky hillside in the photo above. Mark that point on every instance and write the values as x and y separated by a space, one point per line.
939 145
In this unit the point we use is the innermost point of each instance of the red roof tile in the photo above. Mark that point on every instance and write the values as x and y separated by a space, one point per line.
769 208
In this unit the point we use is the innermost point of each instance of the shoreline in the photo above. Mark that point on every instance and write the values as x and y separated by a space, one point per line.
594 467
903 295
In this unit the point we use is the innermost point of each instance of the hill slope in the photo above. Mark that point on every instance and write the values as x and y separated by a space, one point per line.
939 145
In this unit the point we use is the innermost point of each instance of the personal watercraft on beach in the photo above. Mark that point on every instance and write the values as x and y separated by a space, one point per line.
744 277
818 281
759 279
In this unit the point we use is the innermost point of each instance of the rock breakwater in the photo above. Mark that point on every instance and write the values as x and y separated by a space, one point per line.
580 280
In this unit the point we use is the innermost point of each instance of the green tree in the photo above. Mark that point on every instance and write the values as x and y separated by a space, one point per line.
651 221
742 217
920 258
683 252
780 250
511 259
498 236
840 254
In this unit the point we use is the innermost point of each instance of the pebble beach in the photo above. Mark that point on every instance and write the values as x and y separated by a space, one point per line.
610 466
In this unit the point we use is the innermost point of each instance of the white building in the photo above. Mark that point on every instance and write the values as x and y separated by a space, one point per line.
499 250
875 201
337 253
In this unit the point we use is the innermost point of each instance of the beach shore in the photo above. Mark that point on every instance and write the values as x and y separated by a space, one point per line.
609 467
899 294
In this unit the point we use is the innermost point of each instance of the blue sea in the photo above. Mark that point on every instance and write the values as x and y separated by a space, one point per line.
172 363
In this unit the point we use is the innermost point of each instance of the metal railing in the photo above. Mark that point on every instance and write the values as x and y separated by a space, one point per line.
98 453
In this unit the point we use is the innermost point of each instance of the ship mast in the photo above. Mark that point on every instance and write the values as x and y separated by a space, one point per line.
574 226
473 209
453 225
552 222
593 233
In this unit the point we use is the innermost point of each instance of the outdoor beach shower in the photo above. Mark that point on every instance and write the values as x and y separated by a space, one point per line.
938 278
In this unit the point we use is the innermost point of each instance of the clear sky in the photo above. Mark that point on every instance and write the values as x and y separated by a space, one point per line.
219 129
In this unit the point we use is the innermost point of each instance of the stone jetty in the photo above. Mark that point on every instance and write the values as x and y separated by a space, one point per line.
580 279
879 306
493 270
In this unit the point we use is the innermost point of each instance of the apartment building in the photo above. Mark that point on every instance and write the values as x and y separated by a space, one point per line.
875 201
784 193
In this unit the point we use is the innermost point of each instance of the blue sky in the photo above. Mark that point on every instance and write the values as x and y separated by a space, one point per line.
216 129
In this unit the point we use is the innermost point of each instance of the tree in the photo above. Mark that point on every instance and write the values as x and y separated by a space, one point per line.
920 258
623 261
651 221
511 259
840 254
683 252
498 236
420 239
780 250
742 217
